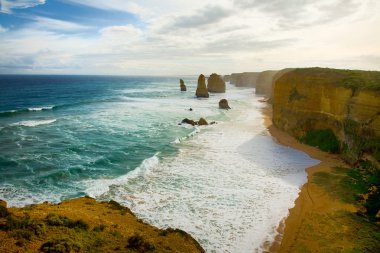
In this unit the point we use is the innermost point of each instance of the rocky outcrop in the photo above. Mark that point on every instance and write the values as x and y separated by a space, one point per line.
201 88
246 79
200 122
347 102
78 225
182 85
264 83
227 78
216 84
223 104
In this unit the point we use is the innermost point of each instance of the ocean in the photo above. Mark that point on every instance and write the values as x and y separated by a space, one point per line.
228 184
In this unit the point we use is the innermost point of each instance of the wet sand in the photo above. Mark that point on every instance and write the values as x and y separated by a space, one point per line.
312 197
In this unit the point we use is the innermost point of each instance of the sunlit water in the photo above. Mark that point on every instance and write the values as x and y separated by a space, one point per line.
228 184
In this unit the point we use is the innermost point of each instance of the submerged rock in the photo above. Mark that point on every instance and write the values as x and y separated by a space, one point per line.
200 122
201 88
189 121
216 84
223 104
182 85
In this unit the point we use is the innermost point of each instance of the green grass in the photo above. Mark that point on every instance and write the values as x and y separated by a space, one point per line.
354 79
359 186
57 220
340 231
324 139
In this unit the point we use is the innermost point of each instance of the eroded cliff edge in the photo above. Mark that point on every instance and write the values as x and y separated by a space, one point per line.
345 101
85 225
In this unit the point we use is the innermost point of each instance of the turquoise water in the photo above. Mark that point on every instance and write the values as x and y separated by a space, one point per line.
56 131
228 184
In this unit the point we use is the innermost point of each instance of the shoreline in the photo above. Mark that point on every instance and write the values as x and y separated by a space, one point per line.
311 198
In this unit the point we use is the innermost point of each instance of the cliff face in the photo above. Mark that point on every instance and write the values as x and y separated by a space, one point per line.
264 83
347 102
246 79
216 84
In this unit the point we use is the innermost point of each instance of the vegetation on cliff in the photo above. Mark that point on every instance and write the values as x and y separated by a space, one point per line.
345 101
355 79
84 225
324 139
337 111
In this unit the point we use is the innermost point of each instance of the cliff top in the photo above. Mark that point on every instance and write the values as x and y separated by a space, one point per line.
342 77
85 225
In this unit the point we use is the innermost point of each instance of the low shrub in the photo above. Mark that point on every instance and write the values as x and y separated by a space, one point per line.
63 245
3 212
62 221
99 228
324 139
138 243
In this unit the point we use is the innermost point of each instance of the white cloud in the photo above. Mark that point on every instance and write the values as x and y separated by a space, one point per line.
189 37
115 5
3 29
6 6
43 23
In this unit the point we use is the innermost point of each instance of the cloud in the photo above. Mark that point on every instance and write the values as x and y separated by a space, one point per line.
6 6
295 14
3 29
188 37
43 23
114 5
205 16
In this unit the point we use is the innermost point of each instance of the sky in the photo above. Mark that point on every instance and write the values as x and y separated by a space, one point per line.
181 37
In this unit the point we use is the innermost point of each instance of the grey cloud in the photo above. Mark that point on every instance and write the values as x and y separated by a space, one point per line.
295 14
206 16
245 44
6 6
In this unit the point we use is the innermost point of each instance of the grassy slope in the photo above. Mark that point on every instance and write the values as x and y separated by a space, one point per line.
84 225
343 77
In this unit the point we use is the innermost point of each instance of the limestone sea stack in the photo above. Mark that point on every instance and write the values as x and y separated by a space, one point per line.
182 85
216 84
201 88
223 104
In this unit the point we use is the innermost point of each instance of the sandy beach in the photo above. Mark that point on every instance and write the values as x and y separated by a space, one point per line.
312 199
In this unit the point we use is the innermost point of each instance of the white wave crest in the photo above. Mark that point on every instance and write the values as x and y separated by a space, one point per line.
33 123
98 187
35 109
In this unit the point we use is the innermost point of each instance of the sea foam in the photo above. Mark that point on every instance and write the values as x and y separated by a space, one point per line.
33 123
229 186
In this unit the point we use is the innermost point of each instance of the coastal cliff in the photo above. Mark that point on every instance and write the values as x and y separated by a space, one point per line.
85 225
345 101
264 83
245 79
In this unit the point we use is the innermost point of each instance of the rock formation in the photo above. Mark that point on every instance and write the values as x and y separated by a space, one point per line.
77 225
223 104
226 78
264 83
201 88
345 101
189 121
182 85
200 122
216 84
246 79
